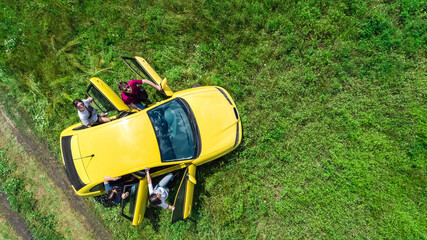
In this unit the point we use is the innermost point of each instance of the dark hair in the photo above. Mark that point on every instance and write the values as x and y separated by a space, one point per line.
154 200
76 101
122 85
113 195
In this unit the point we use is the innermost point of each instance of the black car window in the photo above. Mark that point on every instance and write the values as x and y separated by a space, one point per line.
100 100
129 209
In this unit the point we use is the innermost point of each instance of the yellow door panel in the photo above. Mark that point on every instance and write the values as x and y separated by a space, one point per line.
141 202
141 67
149 70
191 181
104 95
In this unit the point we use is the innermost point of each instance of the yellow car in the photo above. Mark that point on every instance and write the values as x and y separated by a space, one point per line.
184 130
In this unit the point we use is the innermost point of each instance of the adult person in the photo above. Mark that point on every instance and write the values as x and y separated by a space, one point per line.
114 189
160 193
89 115
133 96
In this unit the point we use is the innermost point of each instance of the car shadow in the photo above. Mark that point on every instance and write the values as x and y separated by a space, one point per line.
152 214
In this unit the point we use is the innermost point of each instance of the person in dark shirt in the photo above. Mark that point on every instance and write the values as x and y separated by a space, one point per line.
114 189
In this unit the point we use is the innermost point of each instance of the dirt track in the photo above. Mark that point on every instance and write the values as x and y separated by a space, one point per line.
13 218
35 147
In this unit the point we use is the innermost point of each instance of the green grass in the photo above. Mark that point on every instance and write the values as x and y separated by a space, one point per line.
35 197
20 196
7 232
331 96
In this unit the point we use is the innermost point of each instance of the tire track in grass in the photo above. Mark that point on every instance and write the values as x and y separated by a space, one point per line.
13 218
33 147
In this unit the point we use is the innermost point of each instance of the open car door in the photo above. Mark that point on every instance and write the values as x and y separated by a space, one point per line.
104 97
134 208
184 197
144 70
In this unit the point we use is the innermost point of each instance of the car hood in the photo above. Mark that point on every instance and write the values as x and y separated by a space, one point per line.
217 119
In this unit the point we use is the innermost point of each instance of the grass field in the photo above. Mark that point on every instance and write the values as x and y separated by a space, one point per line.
45 209
332 96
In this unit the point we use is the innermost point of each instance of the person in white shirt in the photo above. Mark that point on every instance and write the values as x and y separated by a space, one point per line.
88 115
160 193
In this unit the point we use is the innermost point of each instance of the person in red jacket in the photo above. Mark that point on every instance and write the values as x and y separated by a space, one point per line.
133 95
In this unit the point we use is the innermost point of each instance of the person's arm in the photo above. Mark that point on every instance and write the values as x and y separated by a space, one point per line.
147 170
159 88
132 105
108 179
171 207
90 99
150 185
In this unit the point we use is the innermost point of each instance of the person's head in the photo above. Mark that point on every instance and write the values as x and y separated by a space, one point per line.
79 105
125 87
155 199
113 194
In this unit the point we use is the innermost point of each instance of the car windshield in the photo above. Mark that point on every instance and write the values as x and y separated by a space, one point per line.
174 131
